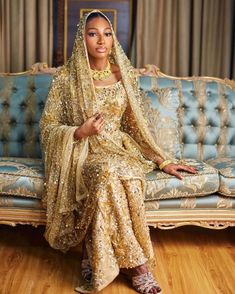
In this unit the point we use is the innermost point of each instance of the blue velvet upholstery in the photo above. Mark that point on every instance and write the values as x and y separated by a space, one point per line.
22 99
21 177
20 202
213 201
206 115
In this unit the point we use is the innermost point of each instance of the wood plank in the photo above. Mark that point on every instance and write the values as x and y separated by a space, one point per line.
189 260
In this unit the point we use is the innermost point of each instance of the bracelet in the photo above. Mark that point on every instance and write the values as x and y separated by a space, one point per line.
164 163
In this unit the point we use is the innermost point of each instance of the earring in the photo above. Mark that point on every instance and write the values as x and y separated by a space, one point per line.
111 56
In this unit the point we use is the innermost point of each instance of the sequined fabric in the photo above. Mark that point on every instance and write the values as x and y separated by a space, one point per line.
95 187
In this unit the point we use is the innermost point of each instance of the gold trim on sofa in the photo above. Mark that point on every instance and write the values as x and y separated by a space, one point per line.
148 69
170 219
153 70
14 216
165 220
37 68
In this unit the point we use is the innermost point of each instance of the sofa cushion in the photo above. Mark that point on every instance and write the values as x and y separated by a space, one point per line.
163 186
161 106
226 168
213 201
21 177
20 202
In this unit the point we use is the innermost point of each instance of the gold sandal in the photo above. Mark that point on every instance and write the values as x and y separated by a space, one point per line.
143 283
86 270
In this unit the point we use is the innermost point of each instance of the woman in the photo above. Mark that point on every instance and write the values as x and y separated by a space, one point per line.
97 150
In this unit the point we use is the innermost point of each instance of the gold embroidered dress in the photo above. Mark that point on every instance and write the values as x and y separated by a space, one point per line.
95 186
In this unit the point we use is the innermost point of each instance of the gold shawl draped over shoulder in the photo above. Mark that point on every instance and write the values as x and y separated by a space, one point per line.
71 101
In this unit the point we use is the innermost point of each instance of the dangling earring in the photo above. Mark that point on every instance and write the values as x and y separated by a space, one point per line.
111 56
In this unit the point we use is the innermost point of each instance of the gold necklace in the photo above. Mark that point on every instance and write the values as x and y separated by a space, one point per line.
100 75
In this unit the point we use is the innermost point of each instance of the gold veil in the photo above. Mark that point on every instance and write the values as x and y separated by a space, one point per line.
70 102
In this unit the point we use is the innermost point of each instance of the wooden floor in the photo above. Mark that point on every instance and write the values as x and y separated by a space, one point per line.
190 260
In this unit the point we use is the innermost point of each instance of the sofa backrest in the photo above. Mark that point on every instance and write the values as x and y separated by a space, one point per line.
206 113
22 99
201 111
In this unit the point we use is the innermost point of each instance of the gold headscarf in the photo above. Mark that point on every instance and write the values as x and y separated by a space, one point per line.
71 101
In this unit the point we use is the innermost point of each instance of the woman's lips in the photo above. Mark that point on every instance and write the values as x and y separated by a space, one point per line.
101 50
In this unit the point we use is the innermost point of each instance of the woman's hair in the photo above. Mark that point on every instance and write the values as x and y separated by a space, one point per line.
95 15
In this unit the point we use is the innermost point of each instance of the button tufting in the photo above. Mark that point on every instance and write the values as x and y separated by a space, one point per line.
41 105
13 122
23 105
5 104
14 89
30 123
192 92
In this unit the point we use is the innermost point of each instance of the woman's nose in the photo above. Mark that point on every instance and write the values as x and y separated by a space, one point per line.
101 40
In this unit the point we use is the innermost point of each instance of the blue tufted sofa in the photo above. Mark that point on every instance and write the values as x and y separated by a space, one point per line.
193 119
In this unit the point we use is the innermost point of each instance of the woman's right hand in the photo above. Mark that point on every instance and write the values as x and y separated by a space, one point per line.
92 126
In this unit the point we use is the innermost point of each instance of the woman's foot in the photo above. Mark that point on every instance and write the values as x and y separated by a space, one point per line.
86 269
142 280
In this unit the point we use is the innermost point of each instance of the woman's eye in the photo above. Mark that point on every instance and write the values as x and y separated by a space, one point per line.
91 34
108 34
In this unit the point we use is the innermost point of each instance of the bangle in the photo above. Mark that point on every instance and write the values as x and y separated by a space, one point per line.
164 163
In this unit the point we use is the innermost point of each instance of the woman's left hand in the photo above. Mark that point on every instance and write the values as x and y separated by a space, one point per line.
172 169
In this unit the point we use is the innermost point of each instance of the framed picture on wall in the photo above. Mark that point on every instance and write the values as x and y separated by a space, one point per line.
67 14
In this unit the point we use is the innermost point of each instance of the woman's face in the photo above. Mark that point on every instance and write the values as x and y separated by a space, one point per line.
98 37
